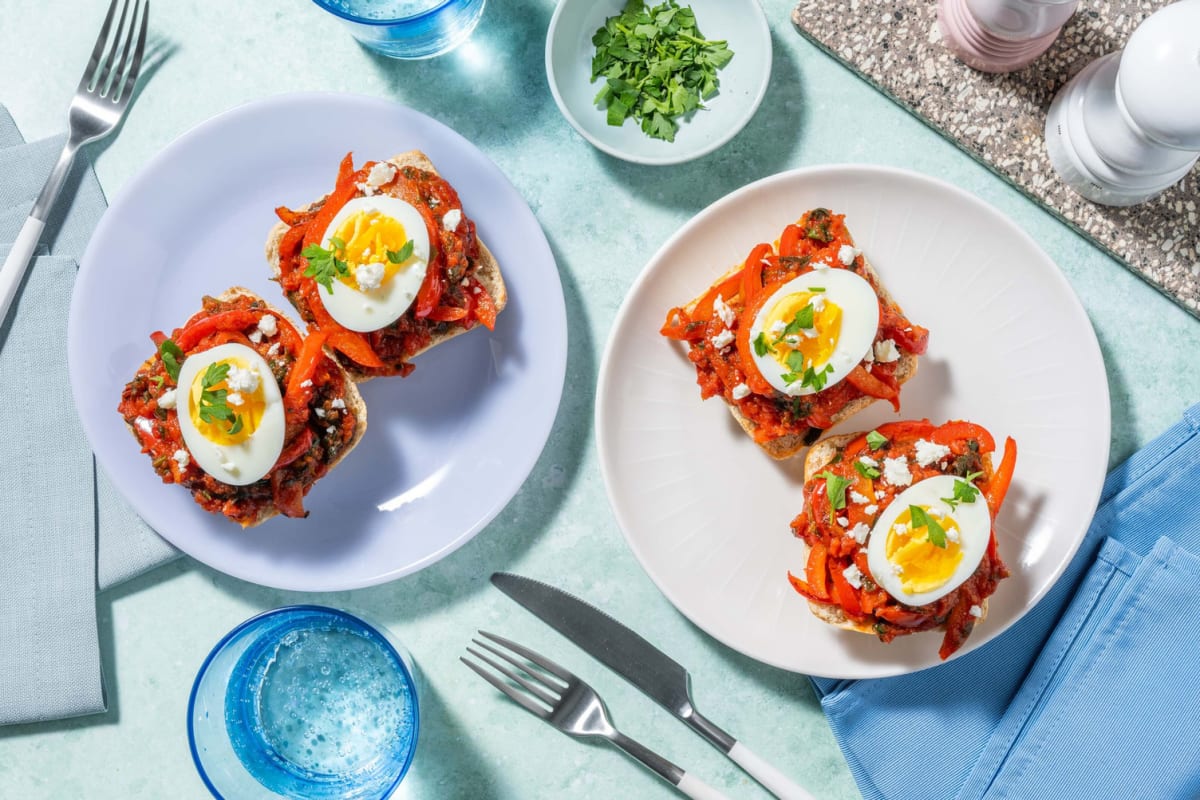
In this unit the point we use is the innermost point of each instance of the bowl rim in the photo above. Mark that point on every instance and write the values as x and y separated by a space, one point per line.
763 28
412 18
384 636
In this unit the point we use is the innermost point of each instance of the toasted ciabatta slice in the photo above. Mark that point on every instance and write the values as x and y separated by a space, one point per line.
784 416
462 285
851 484
247 445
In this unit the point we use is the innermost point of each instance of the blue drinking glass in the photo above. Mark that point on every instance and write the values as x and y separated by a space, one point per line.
408 29
304 702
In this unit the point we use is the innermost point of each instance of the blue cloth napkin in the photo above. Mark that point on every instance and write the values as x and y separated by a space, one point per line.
66 531
1092 694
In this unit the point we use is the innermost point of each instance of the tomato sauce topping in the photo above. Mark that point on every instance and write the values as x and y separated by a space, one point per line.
319 423
816 238
832 547
451 295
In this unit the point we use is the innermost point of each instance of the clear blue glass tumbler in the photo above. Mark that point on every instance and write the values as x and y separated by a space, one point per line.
304 702
408 29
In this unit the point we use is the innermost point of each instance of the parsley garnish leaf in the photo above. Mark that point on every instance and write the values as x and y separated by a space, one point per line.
835 489
324 265
171 357
213 403
761 348
401 255
937 535
865 470
964 491
876 440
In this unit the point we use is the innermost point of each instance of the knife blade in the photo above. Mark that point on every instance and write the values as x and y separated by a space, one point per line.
628 654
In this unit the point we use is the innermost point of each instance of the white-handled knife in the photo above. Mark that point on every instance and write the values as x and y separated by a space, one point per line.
642 664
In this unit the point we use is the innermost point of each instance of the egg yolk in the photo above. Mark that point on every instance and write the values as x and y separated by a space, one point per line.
815 344
250 409
923 565
369 236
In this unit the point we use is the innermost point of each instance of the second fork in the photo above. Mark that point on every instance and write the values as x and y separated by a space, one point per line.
550 692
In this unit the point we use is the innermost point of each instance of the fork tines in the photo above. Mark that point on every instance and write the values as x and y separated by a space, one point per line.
115 61
545 680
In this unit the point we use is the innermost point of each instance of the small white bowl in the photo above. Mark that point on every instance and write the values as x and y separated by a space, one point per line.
743 81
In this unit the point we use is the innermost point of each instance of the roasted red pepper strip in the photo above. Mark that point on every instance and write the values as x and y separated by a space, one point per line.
997 487
789 241
484 307
803 588
844 595
817 570
726 289
955 434
447 313
225 321
870 385
752 272
299 445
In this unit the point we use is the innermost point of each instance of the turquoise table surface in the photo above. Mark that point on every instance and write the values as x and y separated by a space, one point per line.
604 219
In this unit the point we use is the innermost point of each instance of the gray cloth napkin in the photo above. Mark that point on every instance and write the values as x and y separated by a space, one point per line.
66 531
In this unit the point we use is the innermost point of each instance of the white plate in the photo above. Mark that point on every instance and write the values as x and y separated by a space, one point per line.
707 512
445 448
743 81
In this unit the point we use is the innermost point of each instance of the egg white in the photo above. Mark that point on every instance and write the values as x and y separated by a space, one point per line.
860 323
366 311
252 458
975 527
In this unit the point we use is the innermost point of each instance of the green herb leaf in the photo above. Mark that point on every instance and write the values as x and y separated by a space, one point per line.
835 489
324 265
876 440
795 361
214 405
761 348
656 66
171 357
865 470
817 379
816 288
401 255
937 535
964 491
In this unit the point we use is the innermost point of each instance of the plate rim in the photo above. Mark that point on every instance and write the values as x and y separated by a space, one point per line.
556 358
606 377
763 29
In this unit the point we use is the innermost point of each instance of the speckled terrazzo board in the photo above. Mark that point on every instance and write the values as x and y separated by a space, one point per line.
999 119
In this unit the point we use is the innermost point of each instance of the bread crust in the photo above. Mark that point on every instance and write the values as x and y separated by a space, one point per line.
786 446
820 455
487 267
353 400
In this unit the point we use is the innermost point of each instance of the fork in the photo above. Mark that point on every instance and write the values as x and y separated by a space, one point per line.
572 706
99 103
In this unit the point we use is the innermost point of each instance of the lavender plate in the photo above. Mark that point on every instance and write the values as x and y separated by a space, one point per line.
445 449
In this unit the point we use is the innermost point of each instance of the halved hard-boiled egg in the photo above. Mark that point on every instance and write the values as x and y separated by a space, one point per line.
385 245
812 331
230 413
929 539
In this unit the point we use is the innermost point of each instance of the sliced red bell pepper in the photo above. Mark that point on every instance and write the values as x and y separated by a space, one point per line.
955 433
872 386
224 321
789 240
803 588
997 487
752 272
299 445
727 289
817 569
483 307
844 594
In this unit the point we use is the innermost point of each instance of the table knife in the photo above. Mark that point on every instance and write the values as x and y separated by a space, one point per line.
642 664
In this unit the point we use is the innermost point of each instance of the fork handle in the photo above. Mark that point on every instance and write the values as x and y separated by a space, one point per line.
18 259
691 786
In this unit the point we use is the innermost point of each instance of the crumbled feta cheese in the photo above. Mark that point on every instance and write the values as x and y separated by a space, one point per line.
897 570
886 351
234 399
381 173
475 290
255 336
273 350
818 302
167 400
331 430
741 391
722 339
975 611
900 528
822 266
792 341
182 458
451 219
369 276
809 333
242 380
724 312
145 424
320 412
337 402
952 535
859 497
268 325
896 471
860 532
848 253
929 452
845 523
870 462
365 189
305 384
778 327
870 510
853 576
